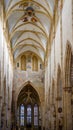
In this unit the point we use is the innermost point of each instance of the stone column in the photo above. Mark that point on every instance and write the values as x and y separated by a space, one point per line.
72 19
13 114
72 86
46 120
59 114
3 116
67 107
9 119
72 109
9 110
0 110
53 119
40 118
0 95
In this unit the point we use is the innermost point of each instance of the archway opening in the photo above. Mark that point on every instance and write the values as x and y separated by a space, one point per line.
28 106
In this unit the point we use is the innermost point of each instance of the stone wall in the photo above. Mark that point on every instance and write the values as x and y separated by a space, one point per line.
33 78
57 59
6 82
21 78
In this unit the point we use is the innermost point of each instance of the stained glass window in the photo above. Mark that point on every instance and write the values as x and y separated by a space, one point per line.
36 115
22 115
29 114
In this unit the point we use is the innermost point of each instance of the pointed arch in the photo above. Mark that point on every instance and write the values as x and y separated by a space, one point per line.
25 84
28 95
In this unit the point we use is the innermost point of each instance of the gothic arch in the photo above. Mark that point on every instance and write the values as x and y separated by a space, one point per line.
3 110
25 84
28 95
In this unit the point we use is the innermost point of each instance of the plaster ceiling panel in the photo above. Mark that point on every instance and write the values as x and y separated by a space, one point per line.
27 36
30 42
21 33
15 37
36 5
43 4
6 4
29 26
12 5
33 35
51 4
39 24
26 49
13 19
45 21
27 43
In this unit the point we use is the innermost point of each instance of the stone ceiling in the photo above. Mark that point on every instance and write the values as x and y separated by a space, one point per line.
29 25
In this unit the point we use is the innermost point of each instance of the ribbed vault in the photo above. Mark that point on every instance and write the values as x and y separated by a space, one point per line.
29 35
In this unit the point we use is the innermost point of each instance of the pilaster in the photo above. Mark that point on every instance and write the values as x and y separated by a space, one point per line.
68 113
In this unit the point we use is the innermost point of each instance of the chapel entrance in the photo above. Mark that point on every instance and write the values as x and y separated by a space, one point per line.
28 107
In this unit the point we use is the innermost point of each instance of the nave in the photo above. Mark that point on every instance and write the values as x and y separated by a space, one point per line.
36 64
